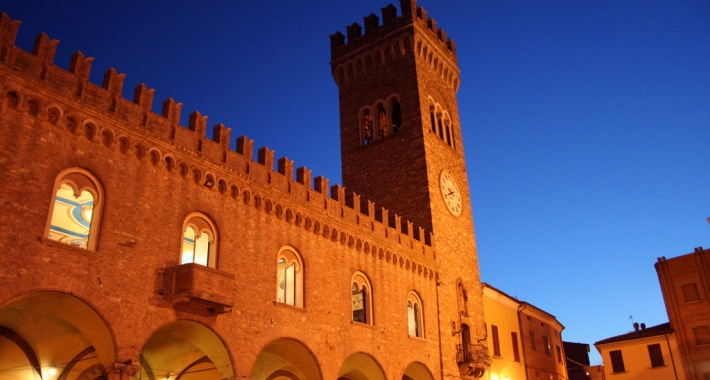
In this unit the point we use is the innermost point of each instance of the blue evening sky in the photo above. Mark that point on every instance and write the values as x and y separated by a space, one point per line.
585 123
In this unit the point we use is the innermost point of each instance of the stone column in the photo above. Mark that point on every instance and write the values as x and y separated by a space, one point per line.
123 370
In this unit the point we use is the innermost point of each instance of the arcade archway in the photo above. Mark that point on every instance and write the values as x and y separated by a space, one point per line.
361 366
417 371
185 350
286 359
53 335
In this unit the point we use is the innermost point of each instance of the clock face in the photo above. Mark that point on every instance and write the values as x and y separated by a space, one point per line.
451 193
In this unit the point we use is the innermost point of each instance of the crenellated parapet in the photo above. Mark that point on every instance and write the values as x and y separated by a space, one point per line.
67 102
398 35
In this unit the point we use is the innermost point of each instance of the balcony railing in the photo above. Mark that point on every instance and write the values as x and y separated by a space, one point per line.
475 355
199 285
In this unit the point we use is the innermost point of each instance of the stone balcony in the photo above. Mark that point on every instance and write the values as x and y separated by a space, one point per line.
473 360
201 286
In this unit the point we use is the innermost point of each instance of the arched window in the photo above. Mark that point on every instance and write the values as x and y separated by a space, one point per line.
366 125
432 118
414 315
382 126
440 126
199 241
462 297
361 295
453 138
75 211
289 277
396 116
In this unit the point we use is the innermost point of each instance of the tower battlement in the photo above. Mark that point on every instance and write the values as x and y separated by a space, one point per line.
391 21
68 101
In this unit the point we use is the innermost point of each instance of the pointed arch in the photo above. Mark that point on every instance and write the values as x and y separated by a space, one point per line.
75 209
415 315
361 296
289 277
462 297
366 125
199 240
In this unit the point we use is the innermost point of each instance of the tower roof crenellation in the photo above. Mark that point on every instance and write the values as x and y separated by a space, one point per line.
410 14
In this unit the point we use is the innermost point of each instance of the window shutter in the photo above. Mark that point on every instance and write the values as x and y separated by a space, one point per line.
654 352
516 354
617 361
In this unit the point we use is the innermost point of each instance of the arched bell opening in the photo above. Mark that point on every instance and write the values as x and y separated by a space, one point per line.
185 350
286 359
51 335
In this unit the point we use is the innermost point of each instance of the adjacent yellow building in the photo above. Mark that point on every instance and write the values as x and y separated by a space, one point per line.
521 338
504 345
646 353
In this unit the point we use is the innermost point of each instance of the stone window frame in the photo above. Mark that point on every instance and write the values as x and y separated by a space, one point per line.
200 223
80 180
414 302
362 282
291 257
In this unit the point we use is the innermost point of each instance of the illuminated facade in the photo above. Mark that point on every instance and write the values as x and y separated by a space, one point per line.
645 353
136 248
524 341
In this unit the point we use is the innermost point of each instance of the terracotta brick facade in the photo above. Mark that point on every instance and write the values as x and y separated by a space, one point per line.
685 283
542 344
154 173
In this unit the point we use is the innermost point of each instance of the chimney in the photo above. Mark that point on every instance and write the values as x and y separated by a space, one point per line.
643 326
636 326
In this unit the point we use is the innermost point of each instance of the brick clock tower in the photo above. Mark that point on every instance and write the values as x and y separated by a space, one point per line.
402 149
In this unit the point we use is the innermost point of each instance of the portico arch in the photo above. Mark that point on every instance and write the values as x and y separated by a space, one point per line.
417 371
50 334
361 366
185 350
286 359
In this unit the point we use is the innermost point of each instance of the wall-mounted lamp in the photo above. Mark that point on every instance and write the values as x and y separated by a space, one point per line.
52 370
